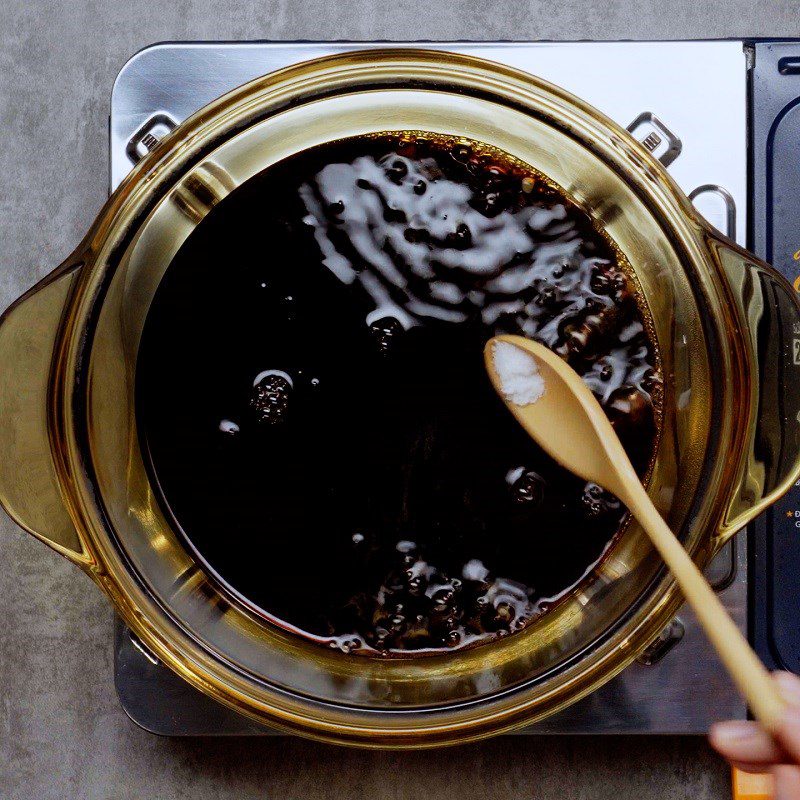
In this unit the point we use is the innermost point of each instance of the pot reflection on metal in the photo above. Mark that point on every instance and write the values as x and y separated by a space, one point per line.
200 191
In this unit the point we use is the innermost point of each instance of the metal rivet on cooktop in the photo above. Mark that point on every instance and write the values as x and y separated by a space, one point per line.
656 137
660 646
148 136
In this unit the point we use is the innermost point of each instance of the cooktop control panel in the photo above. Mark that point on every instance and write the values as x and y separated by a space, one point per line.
774 622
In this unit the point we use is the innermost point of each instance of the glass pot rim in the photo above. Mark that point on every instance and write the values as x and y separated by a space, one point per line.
79 290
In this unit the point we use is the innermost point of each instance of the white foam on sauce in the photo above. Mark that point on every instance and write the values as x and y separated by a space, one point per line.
384 307
630 330
513 475
474 570
449 292
364 193
520 380
279 372
610 373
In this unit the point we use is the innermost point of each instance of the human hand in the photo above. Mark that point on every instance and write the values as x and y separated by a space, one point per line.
749 747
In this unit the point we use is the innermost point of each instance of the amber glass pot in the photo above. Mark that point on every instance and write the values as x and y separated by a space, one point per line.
71 469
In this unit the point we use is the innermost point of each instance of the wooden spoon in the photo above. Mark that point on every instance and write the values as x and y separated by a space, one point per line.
568 423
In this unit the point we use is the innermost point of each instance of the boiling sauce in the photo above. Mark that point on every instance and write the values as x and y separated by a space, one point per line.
312 398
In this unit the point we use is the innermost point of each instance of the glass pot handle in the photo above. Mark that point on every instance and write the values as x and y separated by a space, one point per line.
769 314
29 490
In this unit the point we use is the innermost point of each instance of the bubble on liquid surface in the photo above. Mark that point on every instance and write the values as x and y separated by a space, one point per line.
385 331
270 397
529 488
597 502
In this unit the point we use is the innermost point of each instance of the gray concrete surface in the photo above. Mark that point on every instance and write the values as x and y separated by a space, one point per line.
62 733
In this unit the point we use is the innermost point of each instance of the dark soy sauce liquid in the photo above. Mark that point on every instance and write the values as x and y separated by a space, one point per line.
312 398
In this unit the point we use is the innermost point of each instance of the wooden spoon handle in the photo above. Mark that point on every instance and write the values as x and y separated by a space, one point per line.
744 666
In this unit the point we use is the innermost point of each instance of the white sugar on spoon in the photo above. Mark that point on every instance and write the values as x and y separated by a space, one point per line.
520 380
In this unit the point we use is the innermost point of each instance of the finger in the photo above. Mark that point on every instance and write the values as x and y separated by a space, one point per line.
789 686
739 740
787 782
758 769
788 733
